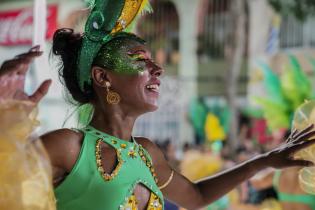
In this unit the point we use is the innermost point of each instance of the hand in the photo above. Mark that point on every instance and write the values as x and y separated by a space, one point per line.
12 78
282 156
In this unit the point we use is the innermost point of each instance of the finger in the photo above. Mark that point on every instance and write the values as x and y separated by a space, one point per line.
305 130
35 48
305 136
301 163
301 145
29 55
17 69
24 60
20 63
41 91
10 67
293 134
290 138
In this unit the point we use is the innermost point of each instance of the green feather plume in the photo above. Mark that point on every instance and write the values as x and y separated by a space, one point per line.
284 94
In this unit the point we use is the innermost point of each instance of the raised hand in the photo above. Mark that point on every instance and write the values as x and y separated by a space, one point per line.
283 156
12 78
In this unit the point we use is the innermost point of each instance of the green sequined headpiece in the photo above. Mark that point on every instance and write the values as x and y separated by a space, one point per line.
107 18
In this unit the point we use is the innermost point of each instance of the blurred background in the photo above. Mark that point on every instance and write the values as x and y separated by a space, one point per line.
221 58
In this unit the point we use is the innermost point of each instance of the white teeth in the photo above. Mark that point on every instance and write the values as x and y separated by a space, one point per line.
153 87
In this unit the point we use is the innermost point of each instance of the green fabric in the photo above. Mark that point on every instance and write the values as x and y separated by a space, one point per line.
98 27
221 204
292 198
85 189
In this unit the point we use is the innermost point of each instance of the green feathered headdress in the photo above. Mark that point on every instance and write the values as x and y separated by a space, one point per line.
284 93
107 18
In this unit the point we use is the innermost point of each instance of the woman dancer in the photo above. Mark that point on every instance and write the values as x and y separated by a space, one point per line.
102 166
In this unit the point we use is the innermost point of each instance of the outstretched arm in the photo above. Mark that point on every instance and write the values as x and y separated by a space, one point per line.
196 195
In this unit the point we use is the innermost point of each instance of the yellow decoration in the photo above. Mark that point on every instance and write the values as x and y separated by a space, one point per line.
131 9
131 204
98 156
154 203
303 117
132 153
197 165
271 204
25 174
213 130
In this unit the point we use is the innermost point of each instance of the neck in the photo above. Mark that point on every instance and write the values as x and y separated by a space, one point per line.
113 121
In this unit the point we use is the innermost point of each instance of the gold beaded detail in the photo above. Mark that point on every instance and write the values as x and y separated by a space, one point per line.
132 153
148 163
131 204
154 203
106 176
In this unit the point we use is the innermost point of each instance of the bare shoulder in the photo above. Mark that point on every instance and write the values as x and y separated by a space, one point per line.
160 164
147 143
154 151
63 146
61 136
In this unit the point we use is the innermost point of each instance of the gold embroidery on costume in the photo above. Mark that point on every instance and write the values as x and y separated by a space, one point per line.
147 162
106 176
132 203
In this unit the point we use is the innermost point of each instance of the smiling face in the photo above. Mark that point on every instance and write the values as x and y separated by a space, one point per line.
132 74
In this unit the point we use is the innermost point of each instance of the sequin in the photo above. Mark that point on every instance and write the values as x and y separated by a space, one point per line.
148 163
132 154
131 204
95 25
106 176
115 55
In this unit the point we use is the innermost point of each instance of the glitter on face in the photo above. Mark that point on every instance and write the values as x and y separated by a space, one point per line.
116 56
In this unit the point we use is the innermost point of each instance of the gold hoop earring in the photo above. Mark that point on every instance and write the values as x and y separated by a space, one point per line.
112 97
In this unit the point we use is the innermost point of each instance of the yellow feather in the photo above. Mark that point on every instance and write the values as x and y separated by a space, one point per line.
145 7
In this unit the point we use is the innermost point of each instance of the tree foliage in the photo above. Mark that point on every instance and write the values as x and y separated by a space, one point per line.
299 8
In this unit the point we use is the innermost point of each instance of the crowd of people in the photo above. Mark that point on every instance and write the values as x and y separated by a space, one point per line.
270 189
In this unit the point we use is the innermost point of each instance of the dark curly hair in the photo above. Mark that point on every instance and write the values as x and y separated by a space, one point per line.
67 45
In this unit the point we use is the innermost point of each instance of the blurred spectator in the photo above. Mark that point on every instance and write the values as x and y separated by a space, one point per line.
197 114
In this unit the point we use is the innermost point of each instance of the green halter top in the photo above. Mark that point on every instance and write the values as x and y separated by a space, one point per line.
293 198
88 187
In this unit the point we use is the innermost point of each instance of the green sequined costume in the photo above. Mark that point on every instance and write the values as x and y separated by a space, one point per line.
87 187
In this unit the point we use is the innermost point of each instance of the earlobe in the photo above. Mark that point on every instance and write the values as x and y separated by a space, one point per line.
99 76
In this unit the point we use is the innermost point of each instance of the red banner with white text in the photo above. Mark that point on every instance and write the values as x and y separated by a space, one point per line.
16 26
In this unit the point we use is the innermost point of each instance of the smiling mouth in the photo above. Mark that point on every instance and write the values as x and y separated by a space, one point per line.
153 88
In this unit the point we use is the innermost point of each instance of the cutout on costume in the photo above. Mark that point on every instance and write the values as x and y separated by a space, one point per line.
106 165
153 202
